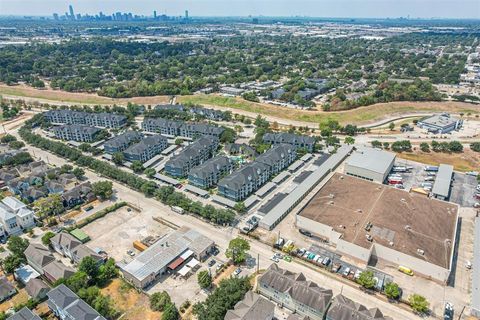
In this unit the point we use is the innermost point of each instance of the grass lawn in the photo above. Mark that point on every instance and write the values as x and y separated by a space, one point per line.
19 298
129 302
359 115
467 161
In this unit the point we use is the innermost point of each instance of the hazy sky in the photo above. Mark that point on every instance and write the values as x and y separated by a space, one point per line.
312 8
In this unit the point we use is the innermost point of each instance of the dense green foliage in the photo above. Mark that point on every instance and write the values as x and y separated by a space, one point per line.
225 296
237 250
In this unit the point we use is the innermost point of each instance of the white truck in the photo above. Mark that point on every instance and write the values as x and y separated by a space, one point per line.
177 209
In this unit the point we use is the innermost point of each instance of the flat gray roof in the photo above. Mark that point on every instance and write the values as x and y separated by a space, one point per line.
476 273
265 189
280 177
296 165
441 186
306 157
250 201
284 206
224 201
371 159
196 190
166 179
169 149
152 161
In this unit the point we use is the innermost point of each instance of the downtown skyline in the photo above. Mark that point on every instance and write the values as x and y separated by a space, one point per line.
462 9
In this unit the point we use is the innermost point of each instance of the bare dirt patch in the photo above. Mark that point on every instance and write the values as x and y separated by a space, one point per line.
466 161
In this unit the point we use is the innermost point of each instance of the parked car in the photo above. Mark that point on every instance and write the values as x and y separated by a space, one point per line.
305 232
448 311
215 251
287 258
346 272
211 263
274 259
468 265
326 261
237 272
130 253
301 252
357 274
336 267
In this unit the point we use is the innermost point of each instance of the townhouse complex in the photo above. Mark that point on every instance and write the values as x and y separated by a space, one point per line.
76 132
180 128
297 140
102 119
209 173
146 149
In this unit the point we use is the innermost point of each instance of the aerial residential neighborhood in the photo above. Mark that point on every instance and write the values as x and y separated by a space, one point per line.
238 160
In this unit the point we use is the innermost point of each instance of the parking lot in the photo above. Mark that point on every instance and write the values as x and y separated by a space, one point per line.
116 232
463 190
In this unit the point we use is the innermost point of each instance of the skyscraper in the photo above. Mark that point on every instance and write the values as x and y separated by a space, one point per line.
155 14
55 16
186 14
72 14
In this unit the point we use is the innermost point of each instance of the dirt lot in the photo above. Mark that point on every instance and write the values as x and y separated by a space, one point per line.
131 304
116 232
466 161
19 298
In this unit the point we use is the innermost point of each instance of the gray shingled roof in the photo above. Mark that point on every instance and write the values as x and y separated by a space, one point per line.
123 139
24 314
39 254
190 151
242 176
209 167
251 307
145 144
344 308
290 138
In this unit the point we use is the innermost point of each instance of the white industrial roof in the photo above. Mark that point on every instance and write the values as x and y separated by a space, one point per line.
371 159
443 180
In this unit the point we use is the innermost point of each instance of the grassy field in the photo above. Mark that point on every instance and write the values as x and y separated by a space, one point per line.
129 302
359 115
58 96
467 161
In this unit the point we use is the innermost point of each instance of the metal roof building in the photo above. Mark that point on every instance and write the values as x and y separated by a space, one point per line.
476 275
195 190
166 179
287 204
443 181
223 201
281 177
370 164
263 191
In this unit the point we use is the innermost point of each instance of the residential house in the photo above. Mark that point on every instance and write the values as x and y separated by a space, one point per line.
78 195
69 246
342 308
294 292
38 256
56 270
210 172
6 289
210 114
121 142
297 140
253 306
32 194
191 156
146 149
24 314
54 187
278 157
76 132
241 183
37 289
15 216
66 305
162 126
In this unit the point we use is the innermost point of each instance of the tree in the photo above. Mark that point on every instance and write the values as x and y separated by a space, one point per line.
391 126
104 306
170 312
11 263
103 189
46 238
366 279
418 303
16 145
118 158
77 281
376 144
90 266
392 291
159 300
148 188
137 166
178 141
349 140
66 168
237 250
107 271
240 207
424 147
475 146
204 279
7 138
149 172
455 146
17 245
78 172
228 135
51 205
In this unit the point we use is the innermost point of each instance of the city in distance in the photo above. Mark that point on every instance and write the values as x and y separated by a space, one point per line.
240 159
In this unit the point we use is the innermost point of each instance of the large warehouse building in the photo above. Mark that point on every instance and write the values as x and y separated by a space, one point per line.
367 220
370 164
168 253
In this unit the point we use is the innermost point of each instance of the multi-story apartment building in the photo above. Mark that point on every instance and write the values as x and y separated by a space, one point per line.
76 132
102 119
193 155
278 157
121 142
194 130
297 140
294 292
244 181
209 173
146 149
162 126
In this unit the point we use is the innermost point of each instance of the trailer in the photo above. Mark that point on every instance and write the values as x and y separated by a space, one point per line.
431 168
399 169
177 209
